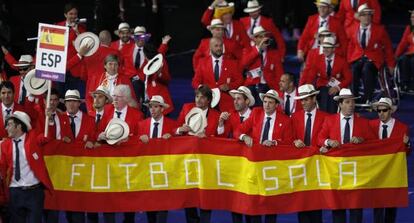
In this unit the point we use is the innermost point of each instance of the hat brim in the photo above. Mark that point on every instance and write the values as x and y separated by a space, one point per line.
328 45
102 92
376 104
164 105
72 99
23 64
125 133
216 97
252 9
116 32
34 89
306 95
154 65
371 11
322 4
262 95
28 125
249 96
87 35
338 97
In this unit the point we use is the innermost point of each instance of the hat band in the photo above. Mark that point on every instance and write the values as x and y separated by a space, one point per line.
72 97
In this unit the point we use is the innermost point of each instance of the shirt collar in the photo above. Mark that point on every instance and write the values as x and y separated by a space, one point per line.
111 77
22 137
122 110
343 116
390 122
246 113
273 116
159 121
4 107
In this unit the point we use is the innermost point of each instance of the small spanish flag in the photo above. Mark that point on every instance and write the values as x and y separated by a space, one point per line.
53 39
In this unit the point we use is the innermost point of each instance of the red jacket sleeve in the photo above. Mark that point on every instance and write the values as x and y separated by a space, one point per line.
207 17
389 54
402 46
10 60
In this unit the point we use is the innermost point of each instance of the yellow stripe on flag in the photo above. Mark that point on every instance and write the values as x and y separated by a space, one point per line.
52 38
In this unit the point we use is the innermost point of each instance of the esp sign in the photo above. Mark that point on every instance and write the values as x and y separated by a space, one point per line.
52 46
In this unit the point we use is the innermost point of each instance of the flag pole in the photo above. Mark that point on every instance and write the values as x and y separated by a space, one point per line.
49 89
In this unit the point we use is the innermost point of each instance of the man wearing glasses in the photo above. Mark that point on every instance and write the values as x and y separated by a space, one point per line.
387 127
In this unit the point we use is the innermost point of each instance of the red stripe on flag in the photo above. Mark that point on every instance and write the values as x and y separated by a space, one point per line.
53 30
227 200
52 47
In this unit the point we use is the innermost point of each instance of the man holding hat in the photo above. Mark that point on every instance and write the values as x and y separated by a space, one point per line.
229 122
101 98
230 48
343 128
331 73
234 29
348 10
263 64
317 49
314 22
388 127
22 167
255 19
370 49
124 34
217 71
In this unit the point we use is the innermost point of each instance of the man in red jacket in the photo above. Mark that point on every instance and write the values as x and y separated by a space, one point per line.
255 19
288 88
348 9
22 167
370 49
330 72
124 34
343 128
388 127
217 71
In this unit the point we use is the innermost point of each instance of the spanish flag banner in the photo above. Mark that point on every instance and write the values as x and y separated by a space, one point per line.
223 174
52 38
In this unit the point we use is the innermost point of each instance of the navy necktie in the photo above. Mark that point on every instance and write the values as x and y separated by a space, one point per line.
261 52
347 132
241 119
364 39
118 114
322 23
22 99
17 161
54 124
266 129
329 68
384 131
308 129
138 59
73 125
253 26
155 130
98 118
287 105
216 70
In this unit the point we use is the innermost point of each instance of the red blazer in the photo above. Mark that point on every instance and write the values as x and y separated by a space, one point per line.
168 126
127 54
282 131
212 119
298 122
72 37
34 156
331 129
346 12
317 72
239 34
115 44
132 118
406 44
28 105
379 46
11 61
3 132
86 132
231 51
272 71
398 131
230 74
307 39
232 124
268 25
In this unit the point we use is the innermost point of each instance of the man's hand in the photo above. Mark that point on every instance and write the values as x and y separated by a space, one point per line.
144 139
224 87
333 143
224 116
333 91
269 143
122 141
391 71
301 55
299 143
89 145
201 135
184 129
323 150
166 39
166 136
215 3
102 137
96 145
264 44
357 140
4 49
66 139
248 140
406 139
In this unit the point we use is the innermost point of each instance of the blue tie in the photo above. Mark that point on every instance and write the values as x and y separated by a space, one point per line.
98 118
73 125
155 130
118 114
138 59
266 129
329 68
17 161
287 105
347 133
216 70
308 129
253 26
384 131
364 39
22 99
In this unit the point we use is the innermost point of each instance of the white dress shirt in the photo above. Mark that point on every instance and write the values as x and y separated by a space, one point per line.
141 53
78 122
27 177
368 34
325 21
123 115
313 112
161 122
343 123
272 125
220 129
390 127
220 62
4 111
291 100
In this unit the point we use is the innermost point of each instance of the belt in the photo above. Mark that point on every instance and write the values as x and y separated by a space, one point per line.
30 187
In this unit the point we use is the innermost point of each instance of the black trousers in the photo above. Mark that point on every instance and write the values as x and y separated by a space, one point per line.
326 101
191 215
385 215
75 217
157 216
238 218
26 205
310 216
339 216
368 72
407 72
